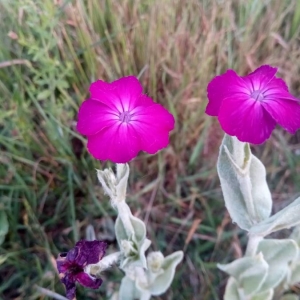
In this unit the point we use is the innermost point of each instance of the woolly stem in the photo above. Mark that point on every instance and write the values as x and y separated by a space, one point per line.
252 245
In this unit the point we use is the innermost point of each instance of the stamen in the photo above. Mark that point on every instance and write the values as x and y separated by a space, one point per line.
257 95
125 116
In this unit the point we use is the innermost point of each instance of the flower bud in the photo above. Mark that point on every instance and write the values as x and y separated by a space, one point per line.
128 248
154 261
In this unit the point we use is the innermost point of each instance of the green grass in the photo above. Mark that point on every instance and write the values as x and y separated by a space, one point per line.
52 50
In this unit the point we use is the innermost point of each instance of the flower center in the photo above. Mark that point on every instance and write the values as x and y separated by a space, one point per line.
125 117
75 269
257 95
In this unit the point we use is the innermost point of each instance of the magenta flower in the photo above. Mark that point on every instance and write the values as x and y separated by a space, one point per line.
119 121
249 107
71 265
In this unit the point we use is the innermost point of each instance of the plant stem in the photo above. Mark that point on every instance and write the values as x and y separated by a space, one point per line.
124 213
252 245
105 263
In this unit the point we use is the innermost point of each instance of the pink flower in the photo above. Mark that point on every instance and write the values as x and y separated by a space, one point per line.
249 107
119 121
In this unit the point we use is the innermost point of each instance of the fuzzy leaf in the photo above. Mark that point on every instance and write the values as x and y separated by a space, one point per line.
278 254
163 281
295 274
267 295
137 239
242 177
126 219
115 185
122 178
128 290
249 273
231 292
295 235
289 297
108 181
286 218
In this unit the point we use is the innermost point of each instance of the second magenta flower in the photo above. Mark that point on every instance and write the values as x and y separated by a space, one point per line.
249 107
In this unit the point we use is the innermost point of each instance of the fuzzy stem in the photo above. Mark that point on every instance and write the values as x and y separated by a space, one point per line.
252 245
105 263
124 214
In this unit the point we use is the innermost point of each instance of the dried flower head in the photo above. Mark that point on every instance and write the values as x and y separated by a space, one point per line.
71 265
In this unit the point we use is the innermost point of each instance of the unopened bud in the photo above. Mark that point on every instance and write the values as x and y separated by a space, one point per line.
154 261
128 248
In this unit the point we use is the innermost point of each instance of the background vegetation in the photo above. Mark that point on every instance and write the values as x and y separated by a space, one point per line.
51 51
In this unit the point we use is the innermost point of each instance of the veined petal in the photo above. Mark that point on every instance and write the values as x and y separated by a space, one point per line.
121 94
156 115
142 101
260 78
104 92
93 116
246 119
118 143
128 90
278 89
278 84
89 252
285 112
87 281
62 264
69 283
153 124
221 87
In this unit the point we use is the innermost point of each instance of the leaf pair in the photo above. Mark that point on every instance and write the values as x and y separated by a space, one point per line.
153 281
246 192
256 277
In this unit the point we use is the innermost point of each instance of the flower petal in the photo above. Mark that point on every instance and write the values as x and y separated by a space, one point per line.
104 92
93 116
278 84
118 143
246 119
70 287
121 94
93 251
143 101
278 89
285 112
221 87
128 89
87 252
72 254
153 124
85 280
260 78
109 120
62 264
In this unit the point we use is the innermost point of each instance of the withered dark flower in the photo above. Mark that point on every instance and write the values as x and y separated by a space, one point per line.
71 265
